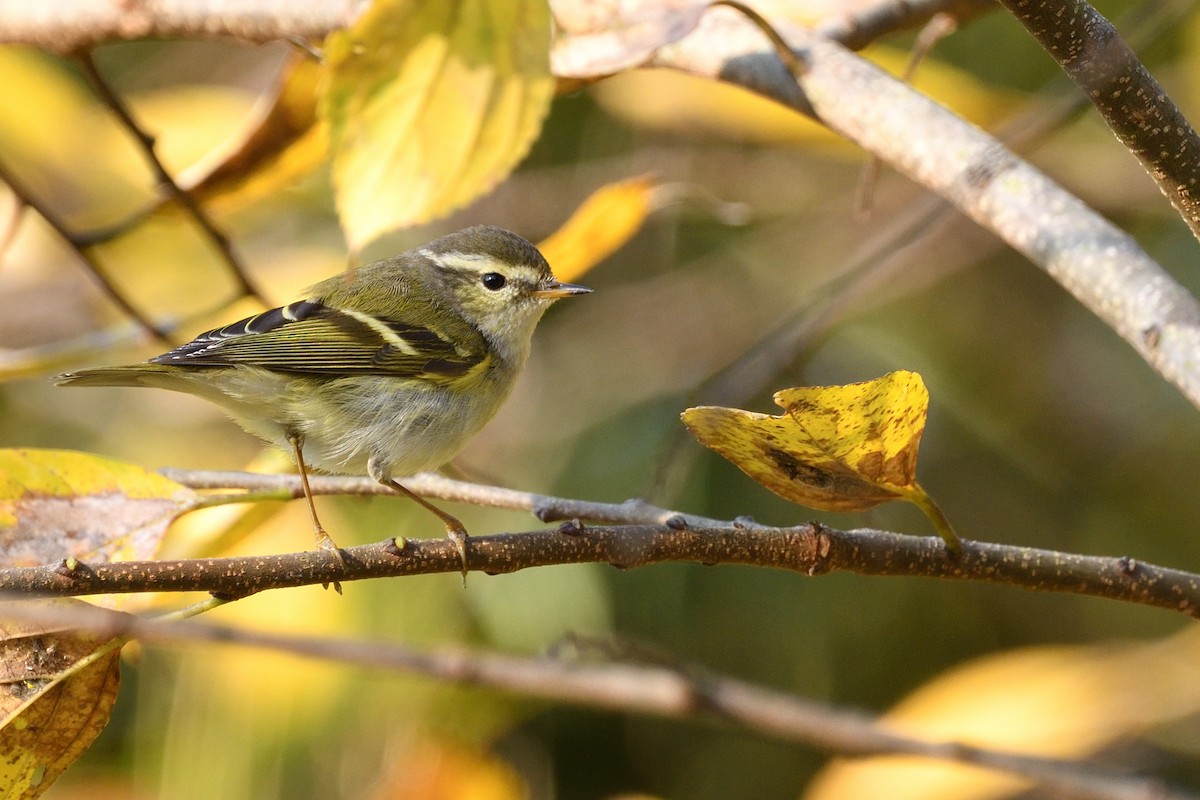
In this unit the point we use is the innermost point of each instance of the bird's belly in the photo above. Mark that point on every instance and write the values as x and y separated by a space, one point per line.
402 430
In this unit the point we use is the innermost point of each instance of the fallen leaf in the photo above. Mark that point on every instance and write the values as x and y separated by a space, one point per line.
429 105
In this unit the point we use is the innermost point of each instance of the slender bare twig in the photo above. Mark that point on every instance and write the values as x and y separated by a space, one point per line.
146 141
674 691
114 294
867 24
939 27
1131 101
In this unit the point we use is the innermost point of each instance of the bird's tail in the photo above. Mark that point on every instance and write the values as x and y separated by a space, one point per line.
134 375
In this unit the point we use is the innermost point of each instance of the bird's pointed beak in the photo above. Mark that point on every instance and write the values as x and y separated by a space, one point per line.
554 290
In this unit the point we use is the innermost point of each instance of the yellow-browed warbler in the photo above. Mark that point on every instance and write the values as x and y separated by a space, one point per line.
387 370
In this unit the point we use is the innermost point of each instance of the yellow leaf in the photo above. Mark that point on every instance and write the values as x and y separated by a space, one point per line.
838 448
429 105
55 504
57 690
605 221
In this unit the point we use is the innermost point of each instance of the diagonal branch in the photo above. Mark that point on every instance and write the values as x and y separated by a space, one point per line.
186 201
674 691
1137 109
110 289
1103 267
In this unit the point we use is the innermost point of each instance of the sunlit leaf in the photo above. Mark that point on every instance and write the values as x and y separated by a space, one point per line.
57 690
429 105
605 221
56 504
838 448
595 39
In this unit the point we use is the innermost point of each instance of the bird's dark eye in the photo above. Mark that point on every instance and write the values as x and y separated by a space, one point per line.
493 281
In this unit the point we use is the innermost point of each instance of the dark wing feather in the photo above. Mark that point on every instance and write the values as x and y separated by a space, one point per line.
310 338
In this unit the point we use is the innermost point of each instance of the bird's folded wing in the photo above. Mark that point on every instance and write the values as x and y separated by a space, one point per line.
309 337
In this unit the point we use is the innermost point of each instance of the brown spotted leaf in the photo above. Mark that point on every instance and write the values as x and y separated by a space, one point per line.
57 690
56 504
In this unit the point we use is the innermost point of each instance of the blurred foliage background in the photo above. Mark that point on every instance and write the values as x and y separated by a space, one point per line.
1045 429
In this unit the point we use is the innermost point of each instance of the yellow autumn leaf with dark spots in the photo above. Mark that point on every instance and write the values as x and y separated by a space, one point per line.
429 105
837 448
57 690
605 221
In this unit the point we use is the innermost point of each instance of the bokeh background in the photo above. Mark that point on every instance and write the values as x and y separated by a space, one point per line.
1044 429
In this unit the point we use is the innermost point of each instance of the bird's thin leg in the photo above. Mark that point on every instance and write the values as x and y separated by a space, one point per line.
454 529
324 540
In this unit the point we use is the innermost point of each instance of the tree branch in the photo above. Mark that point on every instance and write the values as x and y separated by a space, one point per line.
1103 267
68 26
643 535
1137 109
673 691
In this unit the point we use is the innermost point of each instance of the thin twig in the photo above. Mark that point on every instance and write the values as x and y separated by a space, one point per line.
115 295
939 27
147 142
677 692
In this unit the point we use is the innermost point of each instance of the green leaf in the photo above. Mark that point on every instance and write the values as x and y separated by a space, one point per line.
429 105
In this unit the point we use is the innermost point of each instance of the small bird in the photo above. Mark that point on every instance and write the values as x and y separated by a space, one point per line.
386 370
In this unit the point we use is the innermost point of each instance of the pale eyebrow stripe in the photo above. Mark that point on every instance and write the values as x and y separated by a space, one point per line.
386 333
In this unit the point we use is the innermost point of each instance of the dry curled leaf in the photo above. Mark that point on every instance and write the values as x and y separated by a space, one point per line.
837 448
